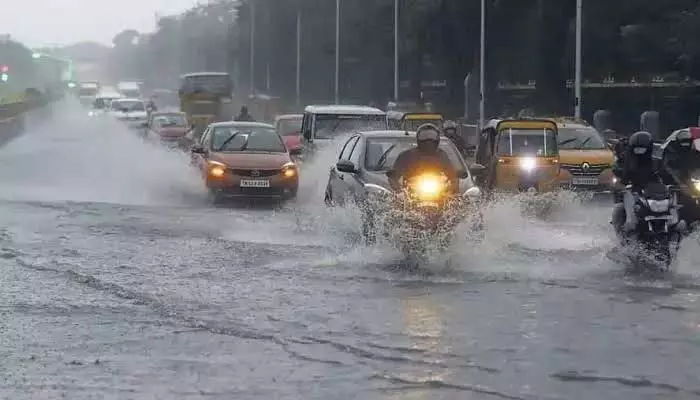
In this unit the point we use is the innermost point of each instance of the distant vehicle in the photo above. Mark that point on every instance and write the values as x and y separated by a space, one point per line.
167 128
325 123
130 89
131 111
288 126
101 103
87 92
202 95
245 159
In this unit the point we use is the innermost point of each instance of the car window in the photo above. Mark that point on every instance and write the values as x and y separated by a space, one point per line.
580 138
329 126
289 127
347 148
131 105
171 120
204 140
238 139
381 153
355 152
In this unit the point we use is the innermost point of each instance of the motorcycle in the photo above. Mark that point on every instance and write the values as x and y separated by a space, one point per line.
654 242
423 216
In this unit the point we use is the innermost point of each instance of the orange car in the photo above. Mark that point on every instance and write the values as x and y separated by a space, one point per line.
245 159
585 156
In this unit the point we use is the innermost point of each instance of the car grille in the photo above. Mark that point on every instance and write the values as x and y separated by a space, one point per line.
577 169
259 173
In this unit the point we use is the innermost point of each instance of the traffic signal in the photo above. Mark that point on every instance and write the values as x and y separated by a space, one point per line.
4 69
4 76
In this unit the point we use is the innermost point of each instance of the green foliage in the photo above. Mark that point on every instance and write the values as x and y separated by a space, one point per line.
526 40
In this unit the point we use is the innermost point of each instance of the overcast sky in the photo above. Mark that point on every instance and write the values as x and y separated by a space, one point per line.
58 22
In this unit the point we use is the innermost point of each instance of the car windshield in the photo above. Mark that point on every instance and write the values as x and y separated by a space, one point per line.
381 153
289 127
414 124
527 142
172 120
329 126
584 138
234 139
131 105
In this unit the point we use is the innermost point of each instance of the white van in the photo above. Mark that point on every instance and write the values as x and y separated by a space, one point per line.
130 89
103 100
327 122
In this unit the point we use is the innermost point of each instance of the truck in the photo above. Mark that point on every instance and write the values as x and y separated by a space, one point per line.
131 89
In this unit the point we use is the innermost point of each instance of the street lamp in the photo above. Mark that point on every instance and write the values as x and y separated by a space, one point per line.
298 77
337 51
577 84
396 50
482 66
252 47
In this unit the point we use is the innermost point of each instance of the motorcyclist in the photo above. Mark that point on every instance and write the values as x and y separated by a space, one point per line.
450 131
680 159
425 157
244 115
635 168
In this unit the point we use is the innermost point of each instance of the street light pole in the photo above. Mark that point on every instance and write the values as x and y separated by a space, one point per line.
482 66
337 51
396 50
577 84
252 47
298 83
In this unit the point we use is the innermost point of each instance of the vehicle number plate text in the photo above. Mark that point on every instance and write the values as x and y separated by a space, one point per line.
255 183
584 181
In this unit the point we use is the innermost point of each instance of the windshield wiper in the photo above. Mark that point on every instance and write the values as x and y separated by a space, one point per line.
567 141
227 141
382 159
588 139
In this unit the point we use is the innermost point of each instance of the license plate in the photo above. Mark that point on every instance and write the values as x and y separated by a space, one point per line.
584 181
255 183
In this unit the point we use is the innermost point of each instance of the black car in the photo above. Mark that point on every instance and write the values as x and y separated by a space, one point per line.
356 172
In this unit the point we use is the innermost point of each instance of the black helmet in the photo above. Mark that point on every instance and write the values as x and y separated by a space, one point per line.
641 144
428 133
685 139
449 126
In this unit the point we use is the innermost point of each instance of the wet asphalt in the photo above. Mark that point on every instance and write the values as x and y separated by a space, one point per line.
119 281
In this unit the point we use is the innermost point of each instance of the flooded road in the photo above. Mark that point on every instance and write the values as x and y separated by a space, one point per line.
119 281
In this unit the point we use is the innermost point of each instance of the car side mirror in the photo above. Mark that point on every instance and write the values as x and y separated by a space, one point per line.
477 169
463 175
346 166
296 152
198 149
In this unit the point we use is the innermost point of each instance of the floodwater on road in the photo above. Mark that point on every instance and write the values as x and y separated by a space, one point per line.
120 281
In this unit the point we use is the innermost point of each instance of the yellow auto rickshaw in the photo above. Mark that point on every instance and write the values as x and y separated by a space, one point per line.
520 155
410 121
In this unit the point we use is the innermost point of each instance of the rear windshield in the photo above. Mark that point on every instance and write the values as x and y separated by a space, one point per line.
247 139
329 126
289 127
381 153
581 138
527 142
170 120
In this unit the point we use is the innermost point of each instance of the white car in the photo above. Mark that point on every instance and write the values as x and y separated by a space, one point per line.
131 111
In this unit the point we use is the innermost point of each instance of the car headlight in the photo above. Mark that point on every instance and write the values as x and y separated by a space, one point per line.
696 184
658 205
216 169
289 170
528 163
429 187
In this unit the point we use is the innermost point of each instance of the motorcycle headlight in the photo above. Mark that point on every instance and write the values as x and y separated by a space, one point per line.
528 163
429 187
659 205
216 169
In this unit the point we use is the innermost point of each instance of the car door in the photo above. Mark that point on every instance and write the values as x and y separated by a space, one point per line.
336 179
